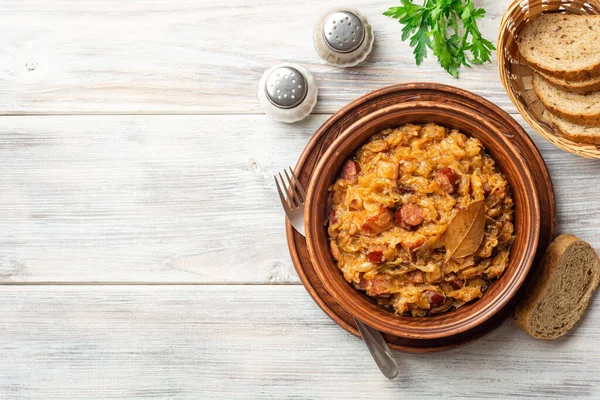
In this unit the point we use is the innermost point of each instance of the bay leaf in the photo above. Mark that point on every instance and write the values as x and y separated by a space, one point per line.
465 232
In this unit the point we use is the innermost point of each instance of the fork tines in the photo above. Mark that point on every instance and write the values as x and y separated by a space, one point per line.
294 196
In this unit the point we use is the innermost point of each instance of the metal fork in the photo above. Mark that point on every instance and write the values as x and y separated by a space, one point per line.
293 204
292 197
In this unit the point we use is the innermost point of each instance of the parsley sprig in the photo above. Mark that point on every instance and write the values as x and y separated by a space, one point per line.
435 25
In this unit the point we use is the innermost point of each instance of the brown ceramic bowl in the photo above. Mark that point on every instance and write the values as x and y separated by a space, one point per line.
527 219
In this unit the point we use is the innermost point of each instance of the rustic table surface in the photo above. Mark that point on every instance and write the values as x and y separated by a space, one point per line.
142 244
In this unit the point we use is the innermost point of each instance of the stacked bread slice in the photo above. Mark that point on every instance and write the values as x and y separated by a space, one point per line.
564 51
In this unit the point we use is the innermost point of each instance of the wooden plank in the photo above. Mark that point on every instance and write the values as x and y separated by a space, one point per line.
176 198
254 342
76 56
144 199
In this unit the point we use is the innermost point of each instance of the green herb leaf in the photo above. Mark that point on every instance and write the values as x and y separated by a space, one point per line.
435 25
420 41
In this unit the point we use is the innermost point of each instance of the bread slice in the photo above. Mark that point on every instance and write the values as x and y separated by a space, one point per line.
582 109
582 87
563 45
577 133
560 290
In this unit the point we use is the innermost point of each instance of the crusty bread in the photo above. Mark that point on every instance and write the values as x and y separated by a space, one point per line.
563 45
577 133
560 290
582 109
582 87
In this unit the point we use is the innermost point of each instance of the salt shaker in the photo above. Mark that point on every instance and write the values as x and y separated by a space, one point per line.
287 92
343 37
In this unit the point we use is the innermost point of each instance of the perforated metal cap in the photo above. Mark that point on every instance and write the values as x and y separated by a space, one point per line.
286 87
343 31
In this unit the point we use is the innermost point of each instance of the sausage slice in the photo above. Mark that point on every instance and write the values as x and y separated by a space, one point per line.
410 215
350 170
447 179
435 298
378 222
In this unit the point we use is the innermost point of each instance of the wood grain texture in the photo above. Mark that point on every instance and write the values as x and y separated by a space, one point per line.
189 56
268 342
144 199
190 199
177 198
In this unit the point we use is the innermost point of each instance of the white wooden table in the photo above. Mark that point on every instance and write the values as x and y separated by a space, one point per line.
142 245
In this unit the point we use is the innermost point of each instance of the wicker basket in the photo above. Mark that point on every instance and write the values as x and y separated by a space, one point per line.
516 75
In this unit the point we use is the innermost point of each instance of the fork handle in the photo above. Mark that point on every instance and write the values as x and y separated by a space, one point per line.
379 349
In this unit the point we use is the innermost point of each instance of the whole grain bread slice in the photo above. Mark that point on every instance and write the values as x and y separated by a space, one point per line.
560 290
582 109
582 87
563 45
577 133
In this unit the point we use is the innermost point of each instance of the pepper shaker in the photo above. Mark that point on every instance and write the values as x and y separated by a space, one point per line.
287 92
343 37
